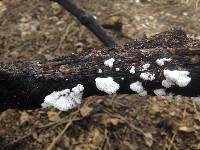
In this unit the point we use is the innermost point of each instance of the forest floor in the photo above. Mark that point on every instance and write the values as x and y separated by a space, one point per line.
42 30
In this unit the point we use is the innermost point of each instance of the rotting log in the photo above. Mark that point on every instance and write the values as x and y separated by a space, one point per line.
24 85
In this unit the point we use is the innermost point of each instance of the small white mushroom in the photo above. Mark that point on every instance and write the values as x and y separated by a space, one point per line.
107 85
100 71
162 61
159 92
117 69
138 88
145 67
109 62
65 99
132 70
147 76
180 78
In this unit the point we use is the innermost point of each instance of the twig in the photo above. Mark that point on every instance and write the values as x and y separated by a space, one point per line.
171 142
15 144
87 20
62 121
107 141
51 146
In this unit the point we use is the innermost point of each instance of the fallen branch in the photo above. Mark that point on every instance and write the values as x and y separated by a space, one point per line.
87 20
25 84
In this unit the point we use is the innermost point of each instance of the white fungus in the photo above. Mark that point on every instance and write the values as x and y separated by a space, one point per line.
138 88
63 104
38 64
107 85
196 100
145 67
147 76
180 78
143 93
109 62
162 61
65 99
159 92
77 89
178 98
100 71
169 96
132 70
95 17
117 69
167 83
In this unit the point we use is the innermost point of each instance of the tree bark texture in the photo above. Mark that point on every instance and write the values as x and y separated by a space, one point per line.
24 85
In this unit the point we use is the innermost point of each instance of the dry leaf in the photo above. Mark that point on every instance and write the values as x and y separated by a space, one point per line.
53 116
96 137
185 129
148 139
114 121
106 119
85 110
6 113
24 118
38 138
198 146
128 146
197 117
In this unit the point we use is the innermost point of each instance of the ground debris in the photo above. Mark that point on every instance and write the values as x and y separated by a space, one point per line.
103 122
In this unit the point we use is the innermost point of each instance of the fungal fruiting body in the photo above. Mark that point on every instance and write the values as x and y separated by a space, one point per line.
159 92
179 78
117 69
109 62
145 67
138 88
167 83
132 70
178 98
169 96
147 76
65 99
162 61
107 85
100 71
196 100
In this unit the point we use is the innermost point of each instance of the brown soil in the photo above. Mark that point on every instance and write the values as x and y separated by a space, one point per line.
41 30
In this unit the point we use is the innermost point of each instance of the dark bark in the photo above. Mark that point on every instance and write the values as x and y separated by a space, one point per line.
25 84
87 20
